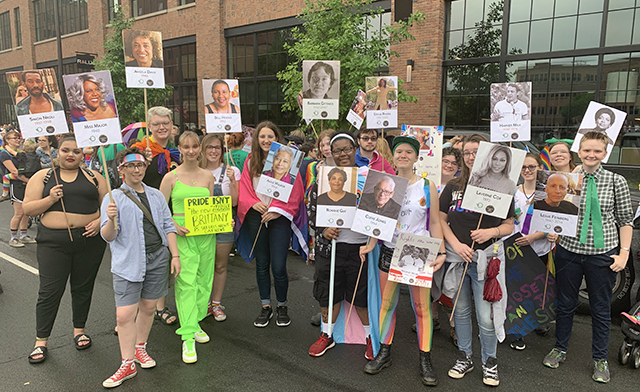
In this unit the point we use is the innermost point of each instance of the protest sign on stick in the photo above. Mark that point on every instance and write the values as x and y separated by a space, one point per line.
411 259
143 59
356 113
320 90
382 102
337 196
510 112
603 119
222 105
280 172
430 159
556 208
208 215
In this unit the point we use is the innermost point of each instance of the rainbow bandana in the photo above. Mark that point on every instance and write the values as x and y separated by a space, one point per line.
132 158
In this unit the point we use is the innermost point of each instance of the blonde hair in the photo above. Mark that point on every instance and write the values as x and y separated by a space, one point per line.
160 111
382 146
29 145
208 138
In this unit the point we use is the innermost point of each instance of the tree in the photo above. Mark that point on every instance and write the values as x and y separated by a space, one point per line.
337 30
130 100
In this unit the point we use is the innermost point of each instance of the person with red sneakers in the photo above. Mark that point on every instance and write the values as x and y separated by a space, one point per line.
347 265
140 246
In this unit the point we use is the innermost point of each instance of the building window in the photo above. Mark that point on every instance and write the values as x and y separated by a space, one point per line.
143 7
16 13
7 102
111 5
183 2
180 72
73 17
5 31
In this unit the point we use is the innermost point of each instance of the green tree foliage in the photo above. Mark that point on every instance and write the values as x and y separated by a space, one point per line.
130 100
341 30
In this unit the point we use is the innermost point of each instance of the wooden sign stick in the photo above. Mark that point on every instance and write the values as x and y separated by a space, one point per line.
64 210
106 177
466 265
546 279
257 235
314 129
146 115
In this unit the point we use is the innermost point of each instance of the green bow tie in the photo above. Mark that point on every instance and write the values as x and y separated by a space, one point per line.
592 212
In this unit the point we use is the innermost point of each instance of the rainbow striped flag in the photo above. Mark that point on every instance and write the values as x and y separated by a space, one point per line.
546 162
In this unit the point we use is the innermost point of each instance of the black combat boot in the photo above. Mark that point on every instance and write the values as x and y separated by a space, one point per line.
381 361
427 373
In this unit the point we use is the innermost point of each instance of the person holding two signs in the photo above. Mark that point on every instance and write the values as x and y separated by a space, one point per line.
193 285
418 215
462 233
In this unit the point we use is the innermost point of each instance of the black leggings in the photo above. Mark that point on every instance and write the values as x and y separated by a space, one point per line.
59 258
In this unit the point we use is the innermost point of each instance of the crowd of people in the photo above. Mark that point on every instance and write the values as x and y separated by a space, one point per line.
144 225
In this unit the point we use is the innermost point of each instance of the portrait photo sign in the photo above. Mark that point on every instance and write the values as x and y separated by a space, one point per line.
510 112
356 113
382 101
556 207
208 215
280 172
337 196
92 105
411 259
320 90
222 105
143 59
430 159
38 105
493 179
525 276
603 119
379 206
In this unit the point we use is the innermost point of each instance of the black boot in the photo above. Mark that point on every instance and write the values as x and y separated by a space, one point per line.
427 373
381 361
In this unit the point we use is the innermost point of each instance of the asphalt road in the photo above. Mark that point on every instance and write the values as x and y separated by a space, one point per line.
241 357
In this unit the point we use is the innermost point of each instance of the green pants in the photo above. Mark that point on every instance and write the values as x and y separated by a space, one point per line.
193 284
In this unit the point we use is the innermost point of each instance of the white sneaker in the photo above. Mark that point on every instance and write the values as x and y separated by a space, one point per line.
201 336
189 354
16 243
27 240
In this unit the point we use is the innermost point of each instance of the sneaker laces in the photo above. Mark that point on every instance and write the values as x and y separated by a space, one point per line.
601 365
141 353
491 372
265 311
555 354
461 365
322 340
124 367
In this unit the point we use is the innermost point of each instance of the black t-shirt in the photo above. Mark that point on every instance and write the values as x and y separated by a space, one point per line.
349 199
462 222
565 207
152 178
152 239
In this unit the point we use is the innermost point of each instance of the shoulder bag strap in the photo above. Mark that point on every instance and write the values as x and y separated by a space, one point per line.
144 209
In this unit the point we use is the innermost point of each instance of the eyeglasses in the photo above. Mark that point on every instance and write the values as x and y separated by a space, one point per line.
468 154
160 124
134 166
446 162
213 148
383 192
13 138
346 150
531 168
367 139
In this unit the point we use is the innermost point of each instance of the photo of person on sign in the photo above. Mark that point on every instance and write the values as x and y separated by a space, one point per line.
380 201
221 94
319 82
495 171
413 259
283 159
43 93
337 195
90 99
557 190
143 49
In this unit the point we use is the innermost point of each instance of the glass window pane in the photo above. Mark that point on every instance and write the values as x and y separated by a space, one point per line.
452 107
561 75
519 37
585 71
619 25
542 9
540 38
636 30
564 33
456 16
520 10
588 31
473 12
614 72
516 71
591 6
617 4
634 68
566 7
455 39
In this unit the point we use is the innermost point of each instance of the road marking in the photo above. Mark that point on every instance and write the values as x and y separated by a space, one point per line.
19 263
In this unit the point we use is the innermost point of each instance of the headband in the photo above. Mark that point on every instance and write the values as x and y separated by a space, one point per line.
342 136
132 158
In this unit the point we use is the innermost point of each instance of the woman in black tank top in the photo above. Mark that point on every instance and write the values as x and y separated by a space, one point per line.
69 247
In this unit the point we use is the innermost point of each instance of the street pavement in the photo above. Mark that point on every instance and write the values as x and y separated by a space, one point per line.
241 357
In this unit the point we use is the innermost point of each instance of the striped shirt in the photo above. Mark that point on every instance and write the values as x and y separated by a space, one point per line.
615 204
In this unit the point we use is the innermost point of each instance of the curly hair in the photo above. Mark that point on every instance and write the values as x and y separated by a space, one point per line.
75 92
157 46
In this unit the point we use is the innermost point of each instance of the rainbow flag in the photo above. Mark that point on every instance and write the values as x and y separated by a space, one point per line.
546 162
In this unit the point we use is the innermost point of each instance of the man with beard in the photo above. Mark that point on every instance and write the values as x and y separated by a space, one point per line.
366 155
38 101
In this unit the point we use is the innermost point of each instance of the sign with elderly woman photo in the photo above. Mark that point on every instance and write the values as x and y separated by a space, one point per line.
320 90
221 105
379 207
337 200
92 106
493 179
557 204
510 111
603 119
280 172
38 105
356 113
411 259
144 66
430 158
382 101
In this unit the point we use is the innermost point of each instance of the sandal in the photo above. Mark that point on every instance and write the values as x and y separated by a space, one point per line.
38 350
164 315
82 338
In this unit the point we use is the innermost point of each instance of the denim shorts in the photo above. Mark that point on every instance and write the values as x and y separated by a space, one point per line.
225 238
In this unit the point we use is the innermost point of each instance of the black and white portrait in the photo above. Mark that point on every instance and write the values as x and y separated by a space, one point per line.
510 102
321 80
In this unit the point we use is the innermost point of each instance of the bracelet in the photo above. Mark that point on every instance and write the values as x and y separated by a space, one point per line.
442 253
623 248
174 257
545 235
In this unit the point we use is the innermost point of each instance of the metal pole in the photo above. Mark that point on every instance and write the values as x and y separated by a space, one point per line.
56 11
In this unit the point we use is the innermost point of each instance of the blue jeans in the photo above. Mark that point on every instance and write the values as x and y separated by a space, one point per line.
571 267
271 250
462 316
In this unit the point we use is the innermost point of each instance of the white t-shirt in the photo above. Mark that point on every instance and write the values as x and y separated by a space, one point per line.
411 263
413 214
509 112
226 182
541 247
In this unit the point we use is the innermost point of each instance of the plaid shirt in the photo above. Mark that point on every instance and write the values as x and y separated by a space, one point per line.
615 204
